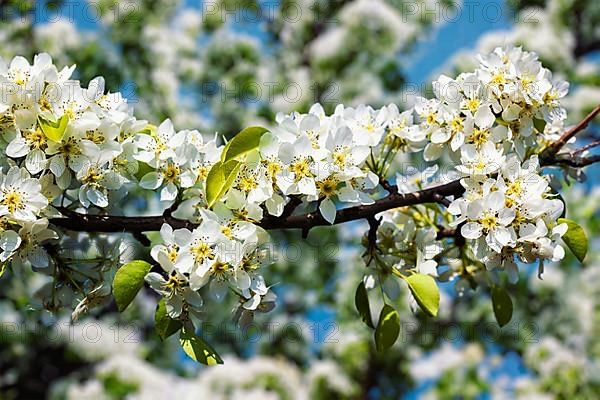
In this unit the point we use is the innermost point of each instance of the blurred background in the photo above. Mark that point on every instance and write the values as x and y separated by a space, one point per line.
220 65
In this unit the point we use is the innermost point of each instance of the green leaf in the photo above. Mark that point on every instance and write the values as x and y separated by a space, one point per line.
128 281
361 300
502 305
143 169
245 141
197 349
387 329
575 238
219 180
539 124
54 130
425 291
165 325
149 129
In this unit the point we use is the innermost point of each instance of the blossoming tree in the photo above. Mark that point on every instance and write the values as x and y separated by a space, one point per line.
73 154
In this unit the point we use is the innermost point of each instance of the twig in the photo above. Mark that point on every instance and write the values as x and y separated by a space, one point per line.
555 147
442 200
578 162
588 146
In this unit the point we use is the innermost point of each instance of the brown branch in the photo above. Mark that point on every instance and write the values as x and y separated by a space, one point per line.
578 162
588 146
75 221
548 154
445 233
441 200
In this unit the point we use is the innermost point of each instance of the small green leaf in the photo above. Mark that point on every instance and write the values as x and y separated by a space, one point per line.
54 130
539 124
388 328
143 169
197 349
425 291
575 238
149 129
502 305
245 141
128 281
165 325
219 180
361 300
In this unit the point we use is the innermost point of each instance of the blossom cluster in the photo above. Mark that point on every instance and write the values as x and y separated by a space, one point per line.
491 123
79 148
512 215
508 108
60 144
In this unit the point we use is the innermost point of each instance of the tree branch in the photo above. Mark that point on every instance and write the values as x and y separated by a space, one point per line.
588 146
578 162
548 154
75 221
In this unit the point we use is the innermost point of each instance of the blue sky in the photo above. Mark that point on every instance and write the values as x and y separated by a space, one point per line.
461 31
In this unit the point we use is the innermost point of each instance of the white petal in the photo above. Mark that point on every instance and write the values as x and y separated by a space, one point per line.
193 298
327 209
174 306
484 117
169 192
35 161
9 240
18 147
152 180
471 230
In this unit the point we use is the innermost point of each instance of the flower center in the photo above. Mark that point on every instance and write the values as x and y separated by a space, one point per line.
13 200
327 187
175 283
498 79
160 146
171 173
36 139
201 251
339 159
95 136
92 177
220 268
515 188
202 172
225 230
70 147
369 126
397 125
301 169
173 252
431 118
456 125
473 105
273 168
480 136
489 222
247 183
